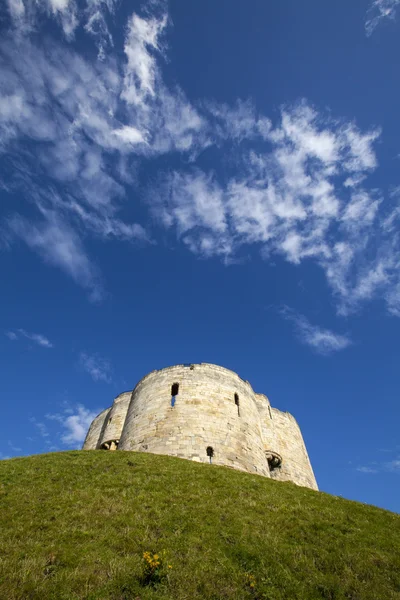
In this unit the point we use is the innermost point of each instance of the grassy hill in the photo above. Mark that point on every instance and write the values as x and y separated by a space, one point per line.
131 526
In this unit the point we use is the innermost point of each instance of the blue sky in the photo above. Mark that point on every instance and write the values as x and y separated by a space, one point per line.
204 182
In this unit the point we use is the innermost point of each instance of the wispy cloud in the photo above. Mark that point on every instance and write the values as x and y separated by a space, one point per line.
75 422
323 341
38 338
392 466
98 368
77 179
14 448
368 470
72 129
383 466
68 428
43 432
302 197
59 245
96 25
25 14
141 68
378 11
11 335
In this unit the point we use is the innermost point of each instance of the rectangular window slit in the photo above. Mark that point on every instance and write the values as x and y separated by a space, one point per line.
237 403
174 393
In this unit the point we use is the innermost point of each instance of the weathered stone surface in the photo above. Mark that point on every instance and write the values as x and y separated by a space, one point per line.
114 422
95 431
213 409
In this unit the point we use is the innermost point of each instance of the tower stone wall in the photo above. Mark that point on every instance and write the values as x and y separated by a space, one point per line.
114 422
95 430
205 413
296 465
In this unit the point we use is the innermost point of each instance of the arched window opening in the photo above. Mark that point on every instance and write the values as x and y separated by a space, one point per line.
274 460
210 452
111 445
237 403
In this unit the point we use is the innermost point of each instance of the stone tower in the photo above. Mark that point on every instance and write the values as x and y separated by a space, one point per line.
205 413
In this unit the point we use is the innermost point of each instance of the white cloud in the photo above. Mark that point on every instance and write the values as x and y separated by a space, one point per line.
42 430
92 14
163 116
130 135
38 338
391 466
24 14
14 448
50 93
323 341
361 208
378 11
194 201
77 425
73 128
141 68
98 368
293 198
239 122
59 245
96 24
11 335
75 421
16 8
65 11
367 470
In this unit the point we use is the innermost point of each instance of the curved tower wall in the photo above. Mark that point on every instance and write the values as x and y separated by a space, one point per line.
204 416
270 440
296 465
93 435
206 421
115 420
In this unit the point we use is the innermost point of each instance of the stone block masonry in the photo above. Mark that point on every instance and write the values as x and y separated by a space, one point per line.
205 413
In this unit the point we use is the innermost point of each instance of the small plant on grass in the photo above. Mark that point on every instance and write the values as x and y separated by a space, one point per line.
154 568
250 581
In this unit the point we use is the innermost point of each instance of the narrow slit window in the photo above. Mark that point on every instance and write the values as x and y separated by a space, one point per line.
210 452
109 420
174 393
237 404
269 410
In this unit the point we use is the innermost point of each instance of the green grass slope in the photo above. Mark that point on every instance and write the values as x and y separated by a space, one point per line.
75 525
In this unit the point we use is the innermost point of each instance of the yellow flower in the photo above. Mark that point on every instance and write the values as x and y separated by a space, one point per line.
169 566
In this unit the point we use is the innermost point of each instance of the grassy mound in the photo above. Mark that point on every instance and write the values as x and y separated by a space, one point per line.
132 526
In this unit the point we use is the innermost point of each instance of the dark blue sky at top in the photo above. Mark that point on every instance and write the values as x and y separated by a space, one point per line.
163 302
